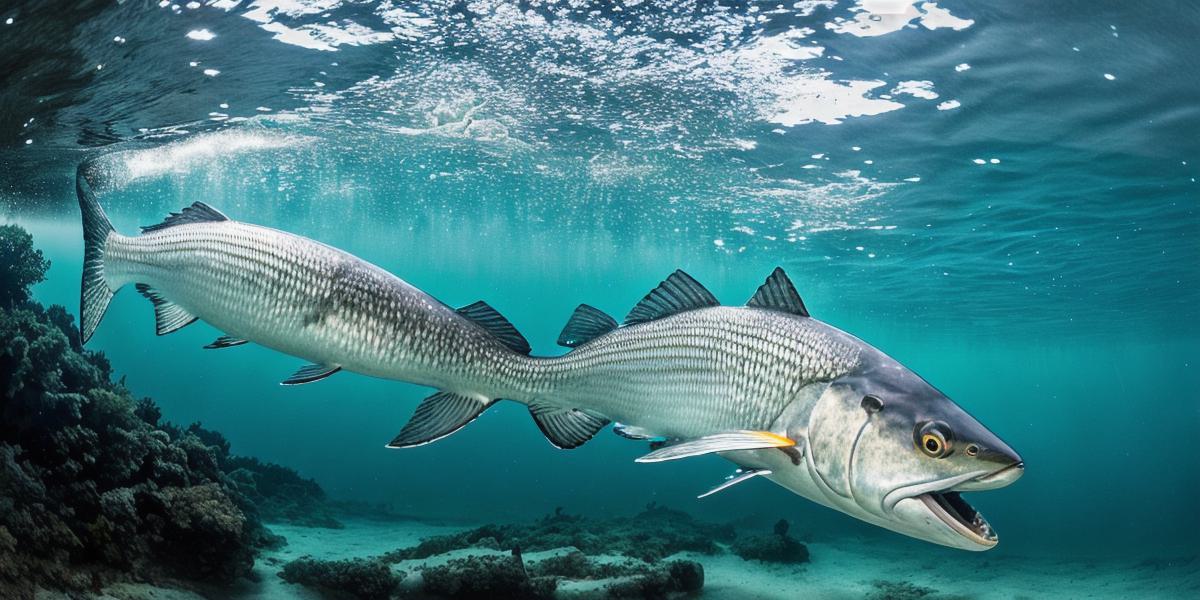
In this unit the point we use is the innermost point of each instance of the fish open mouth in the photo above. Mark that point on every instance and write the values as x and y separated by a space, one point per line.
960 516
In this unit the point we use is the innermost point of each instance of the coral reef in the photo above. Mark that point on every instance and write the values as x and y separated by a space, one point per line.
92 487
779 547
21 265
360 578
655 533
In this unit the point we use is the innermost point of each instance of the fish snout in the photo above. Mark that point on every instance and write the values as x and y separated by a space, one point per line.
999 478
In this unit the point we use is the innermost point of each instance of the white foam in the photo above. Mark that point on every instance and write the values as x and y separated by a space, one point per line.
202 35
919 89
880 17
962 67
938 18
829 102
1109 76
948 105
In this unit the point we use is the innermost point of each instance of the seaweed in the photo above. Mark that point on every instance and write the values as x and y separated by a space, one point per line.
93 487
359 578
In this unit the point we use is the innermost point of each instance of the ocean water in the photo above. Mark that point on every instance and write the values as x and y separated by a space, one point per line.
1001 196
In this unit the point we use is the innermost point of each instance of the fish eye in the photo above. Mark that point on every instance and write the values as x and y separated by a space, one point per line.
972 450
933 438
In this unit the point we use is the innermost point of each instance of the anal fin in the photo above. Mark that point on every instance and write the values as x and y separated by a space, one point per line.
168 316
720 442
437 417
309 374
225 341
566 428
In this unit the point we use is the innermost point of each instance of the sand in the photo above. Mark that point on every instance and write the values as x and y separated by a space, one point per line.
848 569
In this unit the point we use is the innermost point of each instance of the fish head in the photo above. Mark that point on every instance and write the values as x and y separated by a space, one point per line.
883 445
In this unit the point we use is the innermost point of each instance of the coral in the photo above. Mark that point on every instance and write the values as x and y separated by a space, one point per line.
486 578
20 265
778 547
364 579
280 493
93 487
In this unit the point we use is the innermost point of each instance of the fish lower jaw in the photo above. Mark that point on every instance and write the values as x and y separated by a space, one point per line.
960 516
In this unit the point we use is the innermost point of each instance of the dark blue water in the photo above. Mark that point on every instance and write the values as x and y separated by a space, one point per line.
1003 197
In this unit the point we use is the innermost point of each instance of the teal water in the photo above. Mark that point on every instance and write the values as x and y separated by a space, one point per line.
543 155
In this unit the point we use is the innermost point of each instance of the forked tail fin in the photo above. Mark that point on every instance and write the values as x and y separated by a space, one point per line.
94 292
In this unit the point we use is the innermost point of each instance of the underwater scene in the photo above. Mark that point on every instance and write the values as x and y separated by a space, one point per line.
572 299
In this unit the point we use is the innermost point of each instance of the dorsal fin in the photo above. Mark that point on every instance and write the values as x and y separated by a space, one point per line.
486 317
586 324
778 293
198 212
677 293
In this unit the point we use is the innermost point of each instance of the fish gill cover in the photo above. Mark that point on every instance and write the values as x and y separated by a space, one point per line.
1002 196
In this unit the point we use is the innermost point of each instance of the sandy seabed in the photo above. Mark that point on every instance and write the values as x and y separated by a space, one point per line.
847 570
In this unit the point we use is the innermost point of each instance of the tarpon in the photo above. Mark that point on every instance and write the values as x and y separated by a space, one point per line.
770 388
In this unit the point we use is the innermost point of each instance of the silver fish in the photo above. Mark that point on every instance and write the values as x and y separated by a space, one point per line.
786 397
302 298
766 386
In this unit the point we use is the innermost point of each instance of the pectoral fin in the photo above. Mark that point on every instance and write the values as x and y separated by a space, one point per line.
720 442
225 341
738 477
309 374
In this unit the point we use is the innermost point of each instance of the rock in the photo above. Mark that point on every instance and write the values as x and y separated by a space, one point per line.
771 548
651 535
362 579
486 578
675 577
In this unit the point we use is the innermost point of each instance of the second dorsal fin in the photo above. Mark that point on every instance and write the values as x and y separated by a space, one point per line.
586 324
198 212
778 293
677 293
486 317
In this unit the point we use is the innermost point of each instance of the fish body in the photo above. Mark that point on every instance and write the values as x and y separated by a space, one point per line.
303 298
699 372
